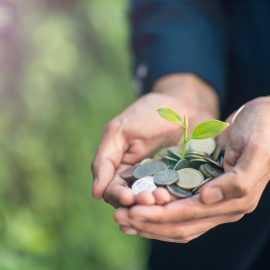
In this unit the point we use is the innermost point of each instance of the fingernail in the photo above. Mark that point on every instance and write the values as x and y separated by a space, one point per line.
213 195
131 231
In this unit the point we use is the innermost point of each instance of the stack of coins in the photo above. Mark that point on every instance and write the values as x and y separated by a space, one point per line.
182 177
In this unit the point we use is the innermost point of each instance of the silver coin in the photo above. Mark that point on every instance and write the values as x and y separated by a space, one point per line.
203 183
179 192
216 153
204 171
146 160
194 154
173 154
212 170
205 145
147 169
169 158
166 177
169 163
144 184
213 162
160 165
195 163
181 164
221 159
189 178
127 174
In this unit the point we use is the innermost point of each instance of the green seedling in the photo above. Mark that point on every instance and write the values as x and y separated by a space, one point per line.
205 130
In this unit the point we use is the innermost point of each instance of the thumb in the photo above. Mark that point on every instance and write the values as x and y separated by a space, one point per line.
220 189
107 159
238 179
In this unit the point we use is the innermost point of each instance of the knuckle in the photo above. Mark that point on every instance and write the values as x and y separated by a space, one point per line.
251 208
179 233
235 218
183 241
247 205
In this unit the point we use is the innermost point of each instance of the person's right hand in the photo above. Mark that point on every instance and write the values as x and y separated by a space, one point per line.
138 132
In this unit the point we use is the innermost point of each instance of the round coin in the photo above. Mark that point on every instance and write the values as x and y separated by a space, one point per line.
169 158
146 160
204 171
196 154
196 189
181 164
212 170
189 178
127 174
213 162
173 154
146 169
144 184
195 163
216 153
166 177
160 165
178 192
205 145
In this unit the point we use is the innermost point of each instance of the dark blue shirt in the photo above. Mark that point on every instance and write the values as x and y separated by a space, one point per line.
226 43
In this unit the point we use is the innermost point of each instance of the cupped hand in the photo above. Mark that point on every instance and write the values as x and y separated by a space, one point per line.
227 198
139 132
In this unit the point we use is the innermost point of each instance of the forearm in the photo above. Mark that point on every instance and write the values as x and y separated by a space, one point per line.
191 88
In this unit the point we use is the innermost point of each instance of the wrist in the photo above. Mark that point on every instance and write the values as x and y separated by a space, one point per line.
191 88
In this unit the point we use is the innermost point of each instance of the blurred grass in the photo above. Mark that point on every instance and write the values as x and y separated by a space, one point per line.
72 74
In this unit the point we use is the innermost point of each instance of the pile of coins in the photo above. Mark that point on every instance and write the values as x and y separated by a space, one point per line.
182 177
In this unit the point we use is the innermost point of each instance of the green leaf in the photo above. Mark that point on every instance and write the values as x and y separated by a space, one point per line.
209 129
170 115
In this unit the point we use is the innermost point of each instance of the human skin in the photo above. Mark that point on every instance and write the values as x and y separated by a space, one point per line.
138 132
226 199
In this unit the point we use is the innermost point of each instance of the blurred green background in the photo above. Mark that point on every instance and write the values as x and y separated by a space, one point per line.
65 70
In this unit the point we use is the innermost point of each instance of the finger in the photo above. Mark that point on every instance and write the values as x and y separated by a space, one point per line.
145 198
108 158
243 173
162 196
177 230
130 231
185 210
174 229
165 239
118 193
181 230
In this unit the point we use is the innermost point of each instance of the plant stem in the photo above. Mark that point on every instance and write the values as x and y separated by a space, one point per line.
184 146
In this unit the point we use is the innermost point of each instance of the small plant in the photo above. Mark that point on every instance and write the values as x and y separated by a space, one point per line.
205 130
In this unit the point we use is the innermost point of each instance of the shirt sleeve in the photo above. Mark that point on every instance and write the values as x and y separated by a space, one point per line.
172 36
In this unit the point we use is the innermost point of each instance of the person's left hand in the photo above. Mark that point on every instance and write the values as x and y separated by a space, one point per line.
227 198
